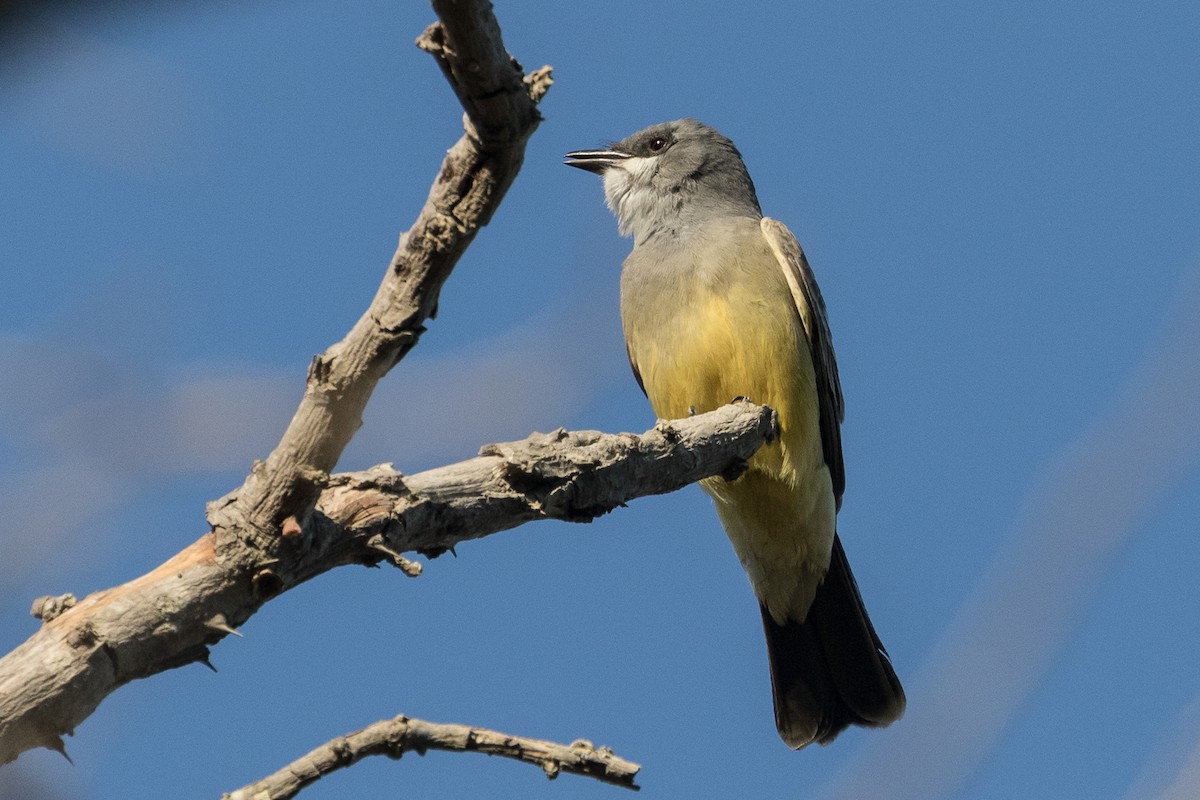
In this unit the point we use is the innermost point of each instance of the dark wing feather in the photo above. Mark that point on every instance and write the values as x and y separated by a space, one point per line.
637 375
812 312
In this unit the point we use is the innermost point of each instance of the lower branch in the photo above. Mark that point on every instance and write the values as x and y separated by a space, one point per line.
170 617
395 737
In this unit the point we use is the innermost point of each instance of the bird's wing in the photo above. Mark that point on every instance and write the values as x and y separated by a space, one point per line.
812 313
637 374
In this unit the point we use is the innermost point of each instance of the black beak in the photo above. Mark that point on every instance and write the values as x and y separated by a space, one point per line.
596 161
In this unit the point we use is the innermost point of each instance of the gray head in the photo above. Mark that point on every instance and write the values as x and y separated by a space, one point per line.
671 176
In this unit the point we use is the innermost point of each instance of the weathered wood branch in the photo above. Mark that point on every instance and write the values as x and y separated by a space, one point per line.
501 115
395 737
169 617
291 520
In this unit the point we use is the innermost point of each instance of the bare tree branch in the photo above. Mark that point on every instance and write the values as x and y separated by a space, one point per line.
395 737
501 115
291 520
167 617
170 616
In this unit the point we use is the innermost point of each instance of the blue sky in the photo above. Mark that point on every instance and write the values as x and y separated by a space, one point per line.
1000 202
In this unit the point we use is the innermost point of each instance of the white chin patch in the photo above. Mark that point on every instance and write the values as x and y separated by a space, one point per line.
628 192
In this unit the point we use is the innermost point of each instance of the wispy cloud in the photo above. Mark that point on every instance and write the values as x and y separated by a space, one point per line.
87 430
1186 785
992 656
1173 770
532 377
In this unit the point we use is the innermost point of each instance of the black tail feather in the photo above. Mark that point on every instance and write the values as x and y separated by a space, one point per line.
831 671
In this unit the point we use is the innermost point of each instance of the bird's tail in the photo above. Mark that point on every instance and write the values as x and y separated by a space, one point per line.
831 671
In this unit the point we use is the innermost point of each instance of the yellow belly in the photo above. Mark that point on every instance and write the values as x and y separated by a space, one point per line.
746 340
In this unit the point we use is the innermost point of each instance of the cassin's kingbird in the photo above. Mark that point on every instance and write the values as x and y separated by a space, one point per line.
718 302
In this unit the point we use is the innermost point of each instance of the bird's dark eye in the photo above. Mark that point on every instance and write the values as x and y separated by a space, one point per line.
656 144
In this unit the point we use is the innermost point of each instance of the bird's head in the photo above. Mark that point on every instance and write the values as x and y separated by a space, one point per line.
670 176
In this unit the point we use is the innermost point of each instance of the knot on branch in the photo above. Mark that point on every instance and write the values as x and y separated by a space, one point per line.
538 82
48 607
362 501
273 506
546 467
433 41
381 476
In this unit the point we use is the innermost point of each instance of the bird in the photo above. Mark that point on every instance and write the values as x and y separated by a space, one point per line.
718 302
